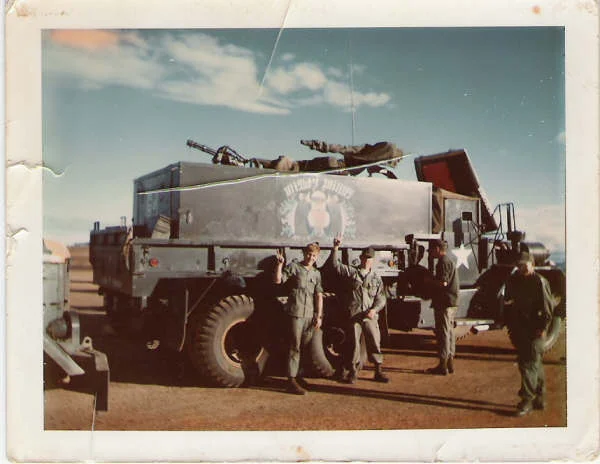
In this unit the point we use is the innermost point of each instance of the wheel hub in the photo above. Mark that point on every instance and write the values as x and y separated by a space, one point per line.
238 345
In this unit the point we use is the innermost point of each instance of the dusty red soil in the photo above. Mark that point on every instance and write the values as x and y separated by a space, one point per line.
146 392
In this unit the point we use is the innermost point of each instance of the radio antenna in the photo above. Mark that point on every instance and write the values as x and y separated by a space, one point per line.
352 89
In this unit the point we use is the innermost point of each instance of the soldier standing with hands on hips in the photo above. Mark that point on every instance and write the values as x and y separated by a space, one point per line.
304 308
367 298
445 306
529 307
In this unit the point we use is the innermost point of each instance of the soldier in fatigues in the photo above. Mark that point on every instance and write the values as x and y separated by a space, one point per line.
529 306
445 305
304 308
366 300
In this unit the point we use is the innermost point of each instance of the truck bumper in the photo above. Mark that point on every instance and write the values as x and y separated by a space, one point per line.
81 360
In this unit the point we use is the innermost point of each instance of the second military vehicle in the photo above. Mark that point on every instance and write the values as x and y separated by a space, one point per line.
67 352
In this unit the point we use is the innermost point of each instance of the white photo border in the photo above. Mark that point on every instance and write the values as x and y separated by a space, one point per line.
26 438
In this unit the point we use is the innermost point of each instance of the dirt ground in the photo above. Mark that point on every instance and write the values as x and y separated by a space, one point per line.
148 392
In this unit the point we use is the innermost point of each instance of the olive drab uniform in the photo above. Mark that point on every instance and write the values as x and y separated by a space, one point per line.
367 293
302 285
530 312
444 304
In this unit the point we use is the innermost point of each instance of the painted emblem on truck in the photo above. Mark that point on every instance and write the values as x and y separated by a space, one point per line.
317 207
462 256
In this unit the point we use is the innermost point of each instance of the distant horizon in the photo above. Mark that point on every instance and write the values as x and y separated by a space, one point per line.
558 257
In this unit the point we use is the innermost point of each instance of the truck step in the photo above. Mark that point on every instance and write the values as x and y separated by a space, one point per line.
472 322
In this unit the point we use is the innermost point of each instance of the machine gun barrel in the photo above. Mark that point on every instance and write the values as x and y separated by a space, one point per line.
225 151
199 146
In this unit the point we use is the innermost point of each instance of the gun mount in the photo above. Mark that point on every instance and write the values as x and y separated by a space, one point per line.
222 155
374 158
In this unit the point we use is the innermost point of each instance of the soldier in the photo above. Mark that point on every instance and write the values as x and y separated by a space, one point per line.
366 300
445 302
304 308
529 306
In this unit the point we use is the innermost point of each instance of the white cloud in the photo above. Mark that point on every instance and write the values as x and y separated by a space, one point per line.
310 76
340 94
358 68
199 69
545 224
207 56
335 72
373 99
228 92
299 77
111 66
282 82
313 100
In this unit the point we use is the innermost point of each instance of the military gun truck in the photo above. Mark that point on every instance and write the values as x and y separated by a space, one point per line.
66 349
194 270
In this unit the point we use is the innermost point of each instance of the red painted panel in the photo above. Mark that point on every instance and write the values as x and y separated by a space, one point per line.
439 175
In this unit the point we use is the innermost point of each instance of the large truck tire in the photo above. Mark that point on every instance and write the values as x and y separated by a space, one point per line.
552 334
325 351
554 328
323 360
221 346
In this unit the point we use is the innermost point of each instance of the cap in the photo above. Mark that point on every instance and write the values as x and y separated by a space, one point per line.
525 257
438 243
368 252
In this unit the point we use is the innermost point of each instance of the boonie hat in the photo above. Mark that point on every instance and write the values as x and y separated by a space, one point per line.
368 252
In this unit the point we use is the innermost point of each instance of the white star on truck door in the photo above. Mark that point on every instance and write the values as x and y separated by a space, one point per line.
462 256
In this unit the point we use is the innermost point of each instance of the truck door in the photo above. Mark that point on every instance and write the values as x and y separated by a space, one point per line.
452 171
461 217
461 210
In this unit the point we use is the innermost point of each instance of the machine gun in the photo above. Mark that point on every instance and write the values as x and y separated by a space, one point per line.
222 155
356 159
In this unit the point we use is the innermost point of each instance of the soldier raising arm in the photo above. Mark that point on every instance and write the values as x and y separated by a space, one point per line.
304 308
366 299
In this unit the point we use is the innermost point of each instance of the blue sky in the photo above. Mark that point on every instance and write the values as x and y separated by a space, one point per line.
120 103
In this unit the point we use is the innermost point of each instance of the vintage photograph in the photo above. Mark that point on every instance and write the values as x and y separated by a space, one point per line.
357 230
282 211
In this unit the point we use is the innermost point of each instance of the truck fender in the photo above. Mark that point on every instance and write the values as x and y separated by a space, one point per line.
187 302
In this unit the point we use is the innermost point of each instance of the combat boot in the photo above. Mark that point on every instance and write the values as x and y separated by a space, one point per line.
379 375
294 388
351 377
440 369
539 403
523 408
450 364
338 375
303 383
251 374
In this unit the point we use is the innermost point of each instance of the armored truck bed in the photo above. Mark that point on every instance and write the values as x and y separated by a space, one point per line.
215 203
